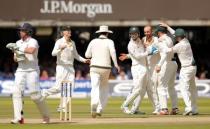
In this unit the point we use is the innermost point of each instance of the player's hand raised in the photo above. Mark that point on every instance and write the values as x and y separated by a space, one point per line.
164 24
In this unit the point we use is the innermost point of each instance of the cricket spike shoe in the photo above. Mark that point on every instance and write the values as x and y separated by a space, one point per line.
125 109
164 111
174 111
46 120
16 121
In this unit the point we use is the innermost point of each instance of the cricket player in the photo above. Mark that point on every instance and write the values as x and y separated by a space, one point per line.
166 73
27 74
152 60
65 51
188 69
139 69
101 50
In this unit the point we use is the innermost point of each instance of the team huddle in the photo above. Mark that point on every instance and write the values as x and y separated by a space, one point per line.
153 69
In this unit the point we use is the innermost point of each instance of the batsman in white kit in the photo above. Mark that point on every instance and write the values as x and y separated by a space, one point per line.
65 51
166 73
188 69
27 74
101 50
140 71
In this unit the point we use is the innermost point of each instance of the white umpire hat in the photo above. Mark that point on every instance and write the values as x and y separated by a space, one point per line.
104 28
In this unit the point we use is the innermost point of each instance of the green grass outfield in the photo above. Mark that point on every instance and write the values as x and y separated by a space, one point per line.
81 110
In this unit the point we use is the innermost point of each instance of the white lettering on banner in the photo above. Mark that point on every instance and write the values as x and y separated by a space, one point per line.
82 84
64 7
123 89
204 88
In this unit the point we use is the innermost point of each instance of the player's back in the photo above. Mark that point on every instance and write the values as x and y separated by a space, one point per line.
185 53
101 52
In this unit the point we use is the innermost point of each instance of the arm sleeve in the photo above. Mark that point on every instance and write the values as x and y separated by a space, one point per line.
177 48
163 53
76 55
171 31
56 49
163 56
34 44
113 53
88 53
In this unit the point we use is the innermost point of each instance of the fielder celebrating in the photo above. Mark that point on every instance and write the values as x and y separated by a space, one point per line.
101 50
188 69
27 74
139 70
152 60
65 51
166 73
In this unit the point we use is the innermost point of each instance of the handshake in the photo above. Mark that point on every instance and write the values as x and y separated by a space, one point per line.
19 55
152 50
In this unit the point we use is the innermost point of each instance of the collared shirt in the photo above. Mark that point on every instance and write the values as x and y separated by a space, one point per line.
184 51
68 54
101 50
31 61
153 59
137 53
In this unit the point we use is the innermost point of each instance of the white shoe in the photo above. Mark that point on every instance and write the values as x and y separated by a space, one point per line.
16 121
132 112
99 112
190 113
187 113
156 112
46 120
125 110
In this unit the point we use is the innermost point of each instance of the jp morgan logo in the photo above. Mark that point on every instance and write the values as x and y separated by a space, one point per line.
71 7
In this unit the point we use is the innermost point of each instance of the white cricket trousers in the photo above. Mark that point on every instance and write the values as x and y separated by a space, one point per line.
63 73
140 82
29 79
166 84
188 88
100 89
151 91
